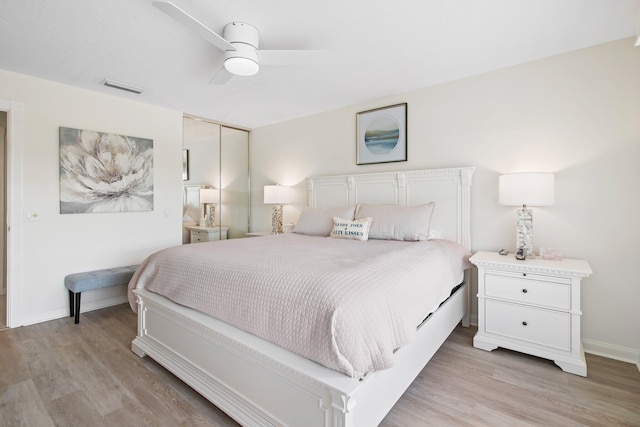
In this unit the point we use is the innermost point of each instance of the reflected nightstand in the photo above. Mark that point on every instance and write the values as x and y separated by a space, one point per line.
207 234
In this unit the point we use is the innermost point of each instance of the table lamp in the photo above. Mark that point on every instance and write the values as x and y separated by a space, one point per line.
209 197
526 189
276 195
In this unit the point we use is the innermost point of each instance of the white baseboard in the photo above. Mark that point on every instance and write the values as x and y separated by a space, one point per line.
84 307
616 352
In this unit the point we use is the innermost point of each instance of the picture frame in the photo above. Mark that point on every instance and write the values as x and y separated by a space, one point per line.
119 177
381 135
185 165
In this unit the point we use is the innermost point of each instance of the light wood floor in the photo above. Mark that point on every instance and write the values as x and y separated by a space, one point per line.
60 374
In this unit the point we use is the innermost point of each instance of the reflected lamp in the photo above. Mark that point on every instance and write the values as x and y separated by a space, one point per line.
209 197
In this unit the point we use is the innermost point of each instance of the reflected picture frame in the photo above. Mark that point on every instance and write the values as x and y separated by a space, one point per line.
381 135
185 165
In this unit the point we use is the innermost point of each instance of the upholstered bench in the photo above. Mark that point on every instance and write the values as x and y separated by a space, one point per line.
90 280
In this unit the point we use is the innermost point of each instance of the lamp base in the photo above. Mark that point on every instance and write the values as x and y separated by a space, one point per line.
276 219
210 215
524 231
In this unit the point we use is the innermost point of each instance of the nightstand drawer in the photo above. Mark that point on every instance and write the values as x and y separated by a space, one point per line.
538 326
207 234
199 236
529 289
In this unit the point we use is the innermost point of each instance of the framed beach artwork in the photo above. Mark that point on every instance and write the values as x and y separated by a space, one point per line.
104 172
382 135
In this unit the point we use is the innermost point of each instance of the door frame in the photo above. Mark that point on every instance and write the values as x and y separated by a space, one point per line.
14 225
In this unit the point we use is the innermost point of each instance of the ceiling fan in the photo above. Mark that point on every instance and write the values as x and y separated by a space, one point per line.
240 46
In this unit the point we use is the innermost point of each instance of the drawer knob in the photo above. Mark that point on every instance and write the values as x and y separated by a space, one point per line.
524 291
524 274
524 323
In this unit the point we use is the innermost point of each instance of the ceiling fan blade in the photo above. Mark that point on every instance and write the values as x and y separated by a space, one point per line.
193 24
221 77
295 57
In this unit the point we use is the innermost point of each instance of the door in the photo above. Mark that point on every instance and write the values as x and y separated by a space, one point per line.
3 218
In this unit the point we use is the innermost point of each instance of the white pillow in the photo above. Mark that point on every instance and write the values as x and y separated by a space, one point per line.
319 222
393 222
353 230
435 234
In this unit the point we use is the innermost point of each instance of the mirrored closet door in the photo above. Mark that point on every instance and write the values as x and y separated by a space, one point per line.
215 181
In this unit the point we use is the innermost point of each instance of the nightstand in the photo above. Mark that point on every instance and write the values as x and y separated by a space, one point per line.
531 306
207 234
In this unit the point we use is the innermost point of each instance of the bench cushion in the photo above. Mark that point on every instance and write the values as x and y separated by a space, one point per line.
80 282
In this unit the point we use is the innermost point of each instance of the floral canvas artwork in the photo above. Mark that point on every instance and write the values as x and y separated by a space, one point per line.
104 172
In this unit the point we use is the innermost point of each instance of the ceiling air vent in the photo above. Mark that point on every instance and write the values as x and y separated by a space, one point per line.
122 86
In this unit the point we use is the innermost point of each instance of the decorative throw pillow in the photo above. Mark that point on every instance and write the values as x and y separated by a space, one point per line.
319 222
394 222
348 229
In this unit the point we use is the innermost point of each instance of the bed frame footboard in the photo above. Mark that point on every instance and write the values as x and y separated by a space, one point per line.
260 384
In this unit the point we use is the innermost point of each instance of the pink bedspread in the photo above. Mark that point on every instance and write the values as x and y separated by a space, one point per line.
344 304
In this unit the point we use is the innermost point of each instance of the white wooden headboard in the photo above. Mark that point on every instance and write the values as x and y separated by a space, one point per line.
450 189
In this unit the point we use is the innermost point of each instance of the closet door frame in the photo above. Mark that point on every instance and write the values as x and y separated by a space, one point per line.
222 128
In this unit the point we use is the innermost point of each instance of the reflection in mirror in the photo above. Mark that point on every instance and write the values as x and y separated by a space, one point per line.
234 181
218 159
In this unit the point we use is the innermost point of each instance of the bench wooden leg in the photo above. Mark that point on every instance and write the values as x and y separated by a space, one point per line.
71 312
77 320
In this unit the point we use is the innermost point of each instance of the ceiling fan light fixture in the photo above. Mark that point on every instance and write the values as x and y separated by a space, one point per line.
241 66
240 44
245 39
243 61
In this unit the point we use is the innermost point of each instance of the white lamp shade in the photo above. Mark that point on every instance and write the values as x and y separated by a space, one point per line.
209 195
277 194
527 188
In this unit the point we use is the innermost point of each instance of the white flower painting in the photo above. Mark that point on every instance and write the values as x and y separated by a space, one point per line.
104 172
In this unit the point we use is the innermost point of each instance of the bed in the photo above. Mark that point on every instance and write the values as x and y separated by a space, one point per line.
259 383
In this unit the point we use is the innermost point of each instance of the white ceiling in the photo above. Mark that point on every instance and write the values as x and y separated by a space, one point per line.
380 47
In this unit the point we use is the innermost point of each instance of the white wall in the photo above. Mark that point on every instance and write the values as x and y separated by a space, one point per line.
576 114
57 245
